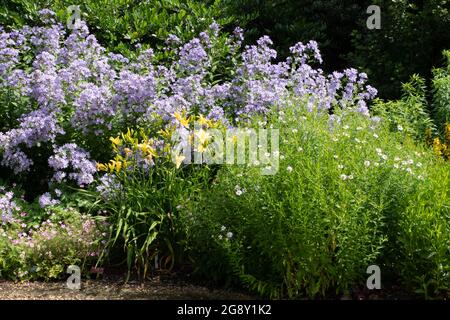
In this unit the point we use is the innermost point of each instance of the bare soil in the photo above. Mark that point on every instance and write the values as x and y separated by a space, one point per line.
156 289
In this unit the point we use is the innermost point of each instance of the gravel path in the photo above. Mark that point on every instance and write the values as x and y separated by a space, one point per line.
113 290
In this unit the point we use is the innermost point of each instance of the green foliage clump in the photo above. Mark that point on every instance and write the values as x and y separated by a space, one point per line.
410 41
121 24
344 198
441 93
37 244
410 113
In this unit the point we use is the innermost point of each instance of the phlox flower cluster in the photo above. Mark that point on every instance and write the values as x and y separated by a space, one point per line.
77 90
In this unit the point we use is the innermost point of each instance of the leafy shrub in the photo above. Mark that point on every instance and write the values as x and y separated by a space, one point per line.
329 213
422 247
441 98
120 25
406 44
409 114
142 193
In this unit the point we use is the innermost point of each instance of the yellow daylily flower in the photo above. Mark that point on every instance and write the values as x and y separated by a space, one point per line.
233 138
116 141
167 133
115 166
118 166
183 121
203 121
101 167
179 159
143 147
127 151
202 136
201 148
191 139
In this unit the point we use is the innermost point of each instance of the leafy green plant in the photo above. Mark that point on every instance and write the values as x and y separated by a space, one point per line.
120 25
328 213
410 113
40 245
441 97
142 200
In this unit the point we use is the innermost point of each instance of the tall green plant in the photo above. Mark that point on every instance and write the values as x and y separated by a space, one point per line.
441 93
410 113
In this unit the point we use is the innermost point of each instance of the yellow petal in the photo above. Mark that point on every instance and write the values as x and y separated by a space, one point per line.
183 121
179 159
203 121
201 148
116 141
101 167
202 136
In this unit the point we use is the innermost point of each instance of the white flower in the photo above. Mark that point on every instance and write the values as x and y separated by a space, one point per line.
375 136
367 163
400 128
359 128
340 167
409 170
384 157
276 153
335 139
343 177
294 130
378 150
223 228
282 157
336 156
350 177
410 161
421 177
58 192
357 140
229 235
396 166
376 164
220 237
346 127
267 154
419 164
289 169
397 159
256 163
299 149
